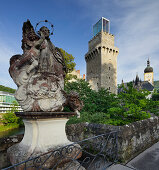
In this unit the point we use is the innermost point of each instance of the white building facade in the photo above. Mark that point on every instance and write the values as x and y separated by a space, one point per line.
6 102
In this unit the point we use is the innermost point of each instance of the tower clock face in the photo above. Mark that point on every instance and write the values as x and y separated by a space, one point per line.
149 77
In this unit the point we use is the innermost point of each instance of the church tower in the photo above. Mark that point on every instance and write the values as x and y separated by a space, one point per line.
101 58
148 73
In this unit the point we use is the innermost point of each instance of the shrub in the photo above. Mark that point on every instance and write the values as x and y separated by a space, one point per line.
97 117
155 97
10 117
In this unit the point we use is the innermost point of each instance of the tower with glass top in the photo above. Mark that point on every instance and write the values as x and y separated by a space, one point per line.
101 58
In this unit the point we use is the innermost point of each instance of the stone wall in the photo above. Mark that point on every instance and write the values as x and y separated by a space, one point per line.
136 137
132 139
5 143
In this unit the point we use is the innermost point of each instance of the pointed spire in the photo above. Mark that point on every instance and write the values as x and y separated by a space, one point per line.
137 79
122 81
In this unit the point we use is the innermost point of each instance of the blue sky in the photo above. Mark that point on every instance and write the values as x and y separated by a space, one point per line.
135 24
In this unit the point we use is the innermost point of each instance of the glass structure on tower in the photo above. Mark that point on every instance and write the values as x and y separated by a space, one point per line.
102 25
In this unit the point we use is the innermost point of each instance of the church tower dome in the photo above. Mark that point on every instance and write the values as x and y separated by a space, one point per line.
148 69
148 73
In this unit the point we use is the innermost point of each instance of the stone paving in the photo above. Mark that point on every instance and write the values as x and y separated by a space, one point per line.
119 167
147 160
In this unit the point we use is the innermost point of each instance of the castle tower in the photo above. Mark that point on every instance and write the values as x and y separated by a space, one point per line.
101 59
148 73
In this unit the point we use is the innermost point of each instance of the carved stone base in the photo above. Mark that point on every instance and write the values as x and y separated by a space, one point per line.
44 133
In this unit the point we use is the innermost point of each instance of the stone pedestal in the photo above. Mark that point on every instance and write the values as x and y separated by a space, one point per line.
44 132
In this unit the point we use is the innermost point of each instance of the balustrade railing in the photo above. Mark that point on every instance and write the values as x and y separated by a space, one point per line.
95 153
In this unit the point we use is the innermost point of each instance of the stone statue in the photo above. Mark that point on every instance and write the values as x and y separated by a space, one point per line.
39 74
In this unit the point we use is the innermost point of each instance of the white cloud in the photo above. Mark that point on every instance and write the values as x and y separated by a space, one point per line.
138 39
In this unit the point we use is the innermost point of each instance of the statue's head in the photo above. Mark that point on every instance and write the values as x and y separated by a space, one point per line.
45 31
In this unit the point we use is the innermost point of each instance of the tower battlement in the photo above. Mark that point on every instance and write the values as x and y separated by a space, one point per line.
101 38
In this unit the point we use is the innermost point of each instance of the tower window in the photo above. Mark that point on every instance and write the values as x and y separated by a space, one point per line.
109 68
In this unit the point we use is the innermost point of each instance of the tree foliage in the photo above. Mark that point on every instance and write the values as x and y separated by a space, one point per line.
70 64
155 96
106 108
10 117
134 104
7 89
93 101
69 60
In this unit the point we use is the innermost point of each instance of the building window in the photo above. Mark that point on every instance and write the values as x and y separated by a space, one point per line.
109 68
109 77
109 88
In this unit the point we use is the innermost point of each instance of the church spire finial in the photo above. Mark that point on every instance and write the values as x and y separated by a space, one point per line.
148 62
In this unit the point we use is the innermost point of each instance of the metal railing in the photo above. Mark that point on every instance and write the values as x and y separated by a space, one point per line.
94 153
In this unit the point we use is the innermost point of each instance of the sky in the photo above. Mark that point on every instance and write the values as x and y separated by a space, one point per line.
134 23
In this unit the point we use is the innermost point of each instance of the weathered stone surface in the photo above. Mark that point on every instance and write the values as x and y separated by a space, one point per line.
101 61
147 160
5 143
59 156
76 132
138 136
71 166
13 141
43 135
39 74
132 138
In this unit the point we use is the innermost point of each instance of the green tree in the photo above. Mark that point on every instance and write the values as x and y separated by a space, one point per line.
7 89
93 101
10 117
155 96
70 64
96 104
134 103
103 107
69 60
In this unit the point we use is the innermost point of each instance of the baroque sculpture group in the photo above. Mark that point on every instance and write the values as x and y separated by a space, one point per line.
39 74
